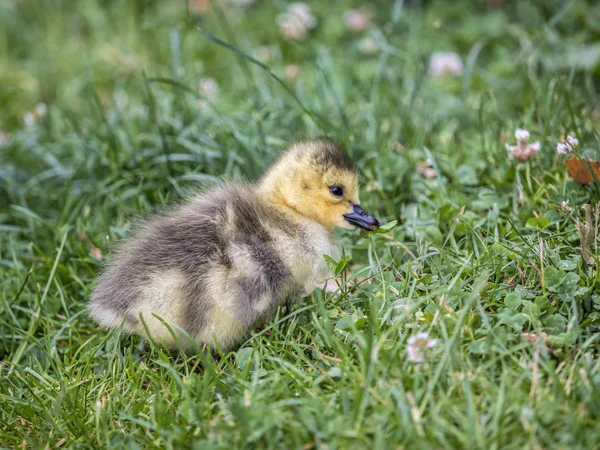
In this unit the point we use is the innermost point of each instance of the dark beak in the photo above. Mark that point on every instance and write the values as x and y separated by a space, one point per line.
359 217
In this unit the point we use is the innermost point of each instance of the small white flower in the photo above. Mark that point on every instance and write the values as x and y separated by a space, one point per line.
417 345
535 146
295 23
567 146
209 88
357 20
562 149
31 117
521 135
291 27
291 72
445 63
40 110
426 171
303 13
524 150
564 206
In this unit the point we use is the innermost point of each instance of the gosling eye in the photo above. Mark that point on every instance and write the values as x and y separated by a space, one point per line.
337 191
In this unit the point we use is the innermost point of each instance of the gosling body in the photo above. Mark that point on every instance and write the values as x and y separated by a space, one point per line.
220 265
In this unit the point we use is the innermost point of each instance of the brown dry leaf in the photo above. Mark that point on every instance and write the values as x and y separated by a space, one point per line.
581 170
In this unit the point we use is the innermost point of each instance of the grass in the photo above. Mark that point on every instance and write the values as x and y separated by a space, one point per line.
483 258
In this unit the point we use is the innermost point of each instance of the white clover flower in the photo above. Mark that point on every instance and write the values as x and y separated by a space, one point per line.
417 345
296 21
564 206
40 110
426 171
291 72
357 20
209 88
535 146
524 150
303 13
445 63
562 149
291 27
521 135
567 146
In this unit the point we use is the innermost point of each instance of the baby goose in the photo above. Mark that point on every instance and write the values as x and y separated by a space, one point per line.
220 265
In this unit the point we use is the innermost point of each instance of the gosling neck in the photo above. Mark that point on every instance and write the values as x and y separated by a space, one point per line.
272 192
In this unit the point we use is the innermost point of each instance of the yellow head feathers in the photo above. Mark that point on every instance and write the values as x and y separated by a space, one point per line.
317 180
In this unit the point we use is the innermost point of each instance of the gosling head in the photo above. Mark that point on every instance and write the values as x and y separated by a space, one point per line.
316 179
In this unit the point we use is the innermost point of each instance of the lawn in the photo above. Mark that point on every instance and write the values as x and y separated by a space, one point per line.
472 323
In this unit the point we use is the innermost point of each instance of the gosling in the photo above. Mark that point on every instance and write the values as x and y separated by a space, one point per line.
218 266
